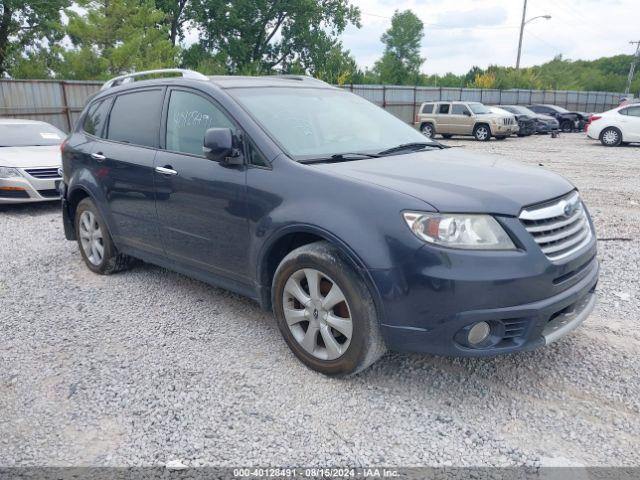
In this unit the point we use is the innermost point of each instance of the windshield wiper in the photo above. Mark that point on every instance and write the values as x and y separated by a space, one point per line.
413 147
341 157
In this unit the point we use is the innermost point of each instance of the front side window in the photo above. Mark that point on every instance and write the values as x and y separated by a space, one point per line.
135 118
188 118
96 118
459 110
319 122
22 134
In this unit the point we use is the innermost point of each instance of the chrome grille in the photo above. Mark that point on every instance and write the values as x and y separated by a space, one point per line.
560 227
508 121
43 173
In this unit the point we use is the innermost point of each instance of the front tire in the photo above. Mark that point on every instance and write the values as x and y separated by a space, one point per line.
611 137
566 126
482 133
325 311
96 246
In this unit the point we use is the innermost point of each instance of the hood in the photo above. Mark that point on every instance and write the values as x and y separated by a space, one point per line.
29 157
453 180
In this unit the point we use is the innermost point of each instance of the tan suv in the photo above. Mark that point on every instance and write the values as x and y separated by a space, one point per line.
463 118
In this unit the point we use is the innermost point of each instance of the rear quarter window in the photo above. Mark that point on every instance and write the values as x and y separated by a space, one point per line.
135 118
427 108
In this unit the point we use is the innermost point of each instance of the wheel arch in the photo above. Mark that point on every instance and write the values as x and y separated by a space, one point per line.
291 237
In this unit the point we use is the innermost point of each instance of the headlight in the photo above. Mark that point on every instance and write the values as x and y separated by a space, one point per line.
8 172
476 232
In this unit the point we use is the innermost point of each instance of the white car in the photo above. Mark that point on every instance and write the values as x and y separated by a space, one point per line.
616 127
29 161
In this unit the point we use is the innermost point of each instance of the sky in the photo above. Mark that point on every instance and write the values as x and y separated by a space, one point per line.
462 33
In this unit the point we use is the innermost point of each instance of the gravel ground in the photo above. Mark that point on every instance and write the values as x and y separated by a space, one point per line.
149 366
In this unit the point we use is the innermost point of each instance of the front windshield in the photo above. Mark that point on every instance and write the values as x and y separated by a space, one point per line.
478 108
317 123
29 134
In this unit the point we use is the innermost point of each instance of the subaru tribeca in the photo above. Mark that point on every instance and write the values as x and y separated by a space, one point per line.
360 233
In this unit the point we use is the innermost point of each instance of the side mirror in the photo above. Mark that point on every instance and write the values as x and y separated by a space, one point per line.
467 113
221 145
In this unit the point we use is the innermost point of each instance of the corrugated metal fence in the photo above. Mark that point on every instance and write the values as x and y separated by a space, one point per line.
60 102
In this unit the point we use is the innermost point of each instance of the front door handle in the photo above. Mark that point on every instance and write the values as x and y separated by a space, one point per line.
166 170
98 156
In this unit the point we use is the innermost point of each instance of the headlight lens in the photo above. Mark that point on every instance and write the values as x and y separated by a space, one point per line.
8 172
475 232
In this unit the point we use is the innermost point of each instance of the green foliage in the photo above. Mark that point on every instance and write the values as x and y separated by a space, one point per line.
27 28
262 36
401 61
116 36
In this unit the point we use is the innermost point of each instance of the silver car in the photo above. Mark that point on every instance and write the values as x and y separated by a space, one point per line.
29 161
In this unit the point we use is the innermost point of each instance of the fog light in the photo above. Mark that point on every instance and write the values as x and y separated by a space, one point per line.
478 333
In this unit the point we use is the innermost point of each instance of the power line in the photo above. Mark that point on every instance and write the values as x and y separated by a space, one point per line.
632 68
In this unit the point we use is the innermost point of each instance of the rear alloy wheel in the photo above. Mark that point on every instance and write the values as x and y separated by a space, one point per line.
325 311
96 246
611 137
427 130
482 133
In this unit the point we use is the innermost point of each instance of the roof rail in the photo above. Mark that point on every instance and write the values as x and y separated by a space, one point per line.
301 78
129 77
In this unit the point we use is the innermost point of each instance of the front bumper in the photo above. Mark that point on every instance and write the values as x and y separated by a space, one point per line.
430 302
26 189
504 129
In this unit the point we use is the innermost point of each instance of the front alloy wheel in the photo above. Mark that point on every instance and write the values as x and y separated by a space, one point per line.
482 133
317 314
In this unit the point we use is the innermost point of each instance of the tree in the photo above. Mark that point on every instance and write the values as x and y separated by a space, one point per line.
177 14
401 61
259 36
114 37
28 26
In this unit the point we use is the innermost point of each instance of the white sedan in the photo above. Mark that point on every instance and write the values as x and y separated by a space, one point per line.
616 127
29 161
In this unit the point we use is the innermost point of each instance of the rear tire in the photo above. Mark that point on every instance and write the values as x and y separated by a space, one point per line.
332 328
611 137
96 246
428 130
482 132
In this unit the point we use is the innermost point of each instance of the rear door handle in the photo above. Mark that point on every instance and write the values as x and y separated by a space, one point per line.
98 156
167 170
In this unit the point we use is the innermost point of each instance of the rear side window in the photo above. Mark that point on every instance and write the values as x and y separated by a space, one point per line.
189 116
427 108
632 111
96 118
135 118
444 108
459 110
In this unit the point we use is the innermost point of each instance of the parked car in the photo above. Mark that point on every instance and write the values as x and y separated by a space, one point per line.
542 123
569 121
616 127
463 118
29 161
526 124
360 233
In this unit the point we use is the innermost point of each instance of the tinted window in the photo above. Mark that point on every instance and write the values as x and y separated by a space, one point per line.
135 118
427 108
254 157
96 118
459 110
189 116
20 134
633 111
444 108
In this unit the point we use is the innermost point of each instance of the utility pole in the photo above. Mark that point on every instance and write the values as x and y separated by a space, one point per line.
524 15
632 68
